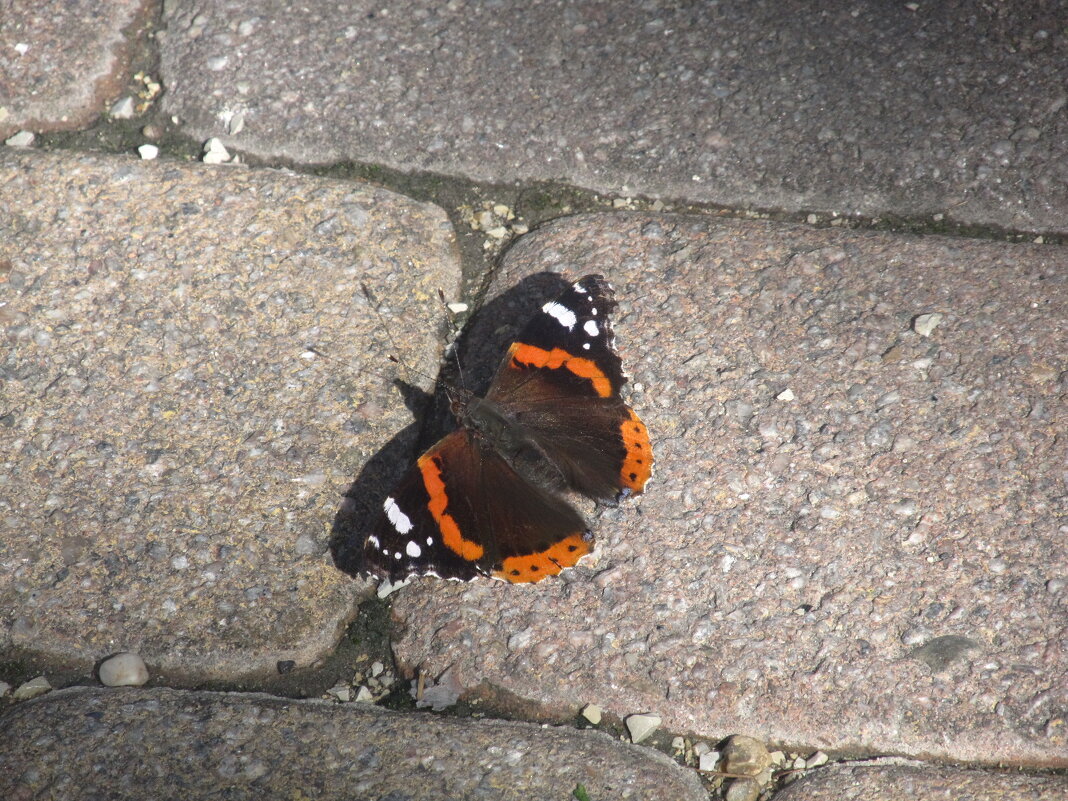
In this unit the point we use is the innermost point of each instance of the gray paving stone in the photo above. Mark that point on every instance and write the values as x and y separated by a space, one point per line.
88 744
172 456
46 84
878 563
917 782
919 109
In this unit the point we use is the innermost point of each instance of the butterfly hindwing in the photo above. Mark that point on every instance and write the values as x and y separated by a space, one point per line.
447 518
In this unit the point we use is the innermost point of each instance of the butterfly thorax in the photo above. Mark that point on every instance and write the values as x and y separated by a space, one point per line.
495 428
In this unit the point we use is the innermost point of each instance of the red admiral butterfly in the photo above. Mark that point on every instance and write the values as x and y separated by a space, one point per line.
486 499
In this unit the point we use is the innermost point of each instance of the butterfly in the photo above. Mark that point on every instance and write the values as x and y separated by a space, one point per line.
488 498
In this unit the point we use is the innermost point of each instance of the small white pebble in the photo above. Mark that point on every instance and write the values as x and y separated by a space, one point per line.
363 695
21 139
236 124
22 48
148 152
924 324
377 668
817 759
123 670
592 713
457 308
708 761
32 688
641 726
215 152
786 395
122 109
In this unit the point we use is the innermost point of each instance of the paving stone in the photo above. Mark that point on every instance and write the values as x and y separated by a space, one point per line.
48 85
87 744
911 781
172 457
875 565
910 109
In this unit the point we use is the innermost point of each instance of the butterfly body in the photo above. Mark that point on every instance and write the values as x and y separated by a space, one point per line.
487 499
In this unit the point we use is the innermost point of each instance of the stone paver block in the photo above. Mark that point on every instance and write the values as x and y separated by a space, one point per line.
907 782
172 456
48 85
926 109
856 535
88 744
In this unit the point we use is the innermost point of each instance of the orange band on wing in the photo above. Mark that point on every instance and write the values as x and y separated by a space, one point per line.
638 463
450 532
536 566
556 358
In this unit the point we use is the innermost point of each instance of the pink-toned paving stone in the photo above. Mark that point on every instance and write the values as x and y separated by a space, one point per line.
83 743
174 450
856 535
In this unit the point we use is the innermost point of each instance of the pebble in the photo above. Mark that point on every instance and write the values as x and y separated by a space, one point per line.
32 689
21 139
457 308
123 670
786 395
592 713
817 759
924 324
122 109
377 668
745 755
707 761
5 688
363 696
641 726
148 152
743 790
341 692
215 152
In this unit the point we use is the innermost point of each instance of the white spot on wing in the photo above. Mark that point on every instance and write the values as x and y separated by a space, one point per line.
373 542
585 345
413 550
561 314
429 540
400 521
591 328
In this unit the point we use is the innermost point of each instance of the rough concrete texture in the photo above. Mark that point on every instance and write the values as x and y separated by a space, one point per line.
855 536
952 109
908 782
165 744
172 456
48 85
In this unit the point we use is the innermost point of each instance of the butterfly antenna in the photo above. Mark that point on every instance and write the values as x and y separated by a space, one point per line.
373 302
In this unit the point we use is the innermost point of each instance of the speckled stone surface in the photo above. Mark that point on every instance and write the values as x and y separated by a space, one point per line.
167 744
919 109
856 536
172 456
48 85
909 782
